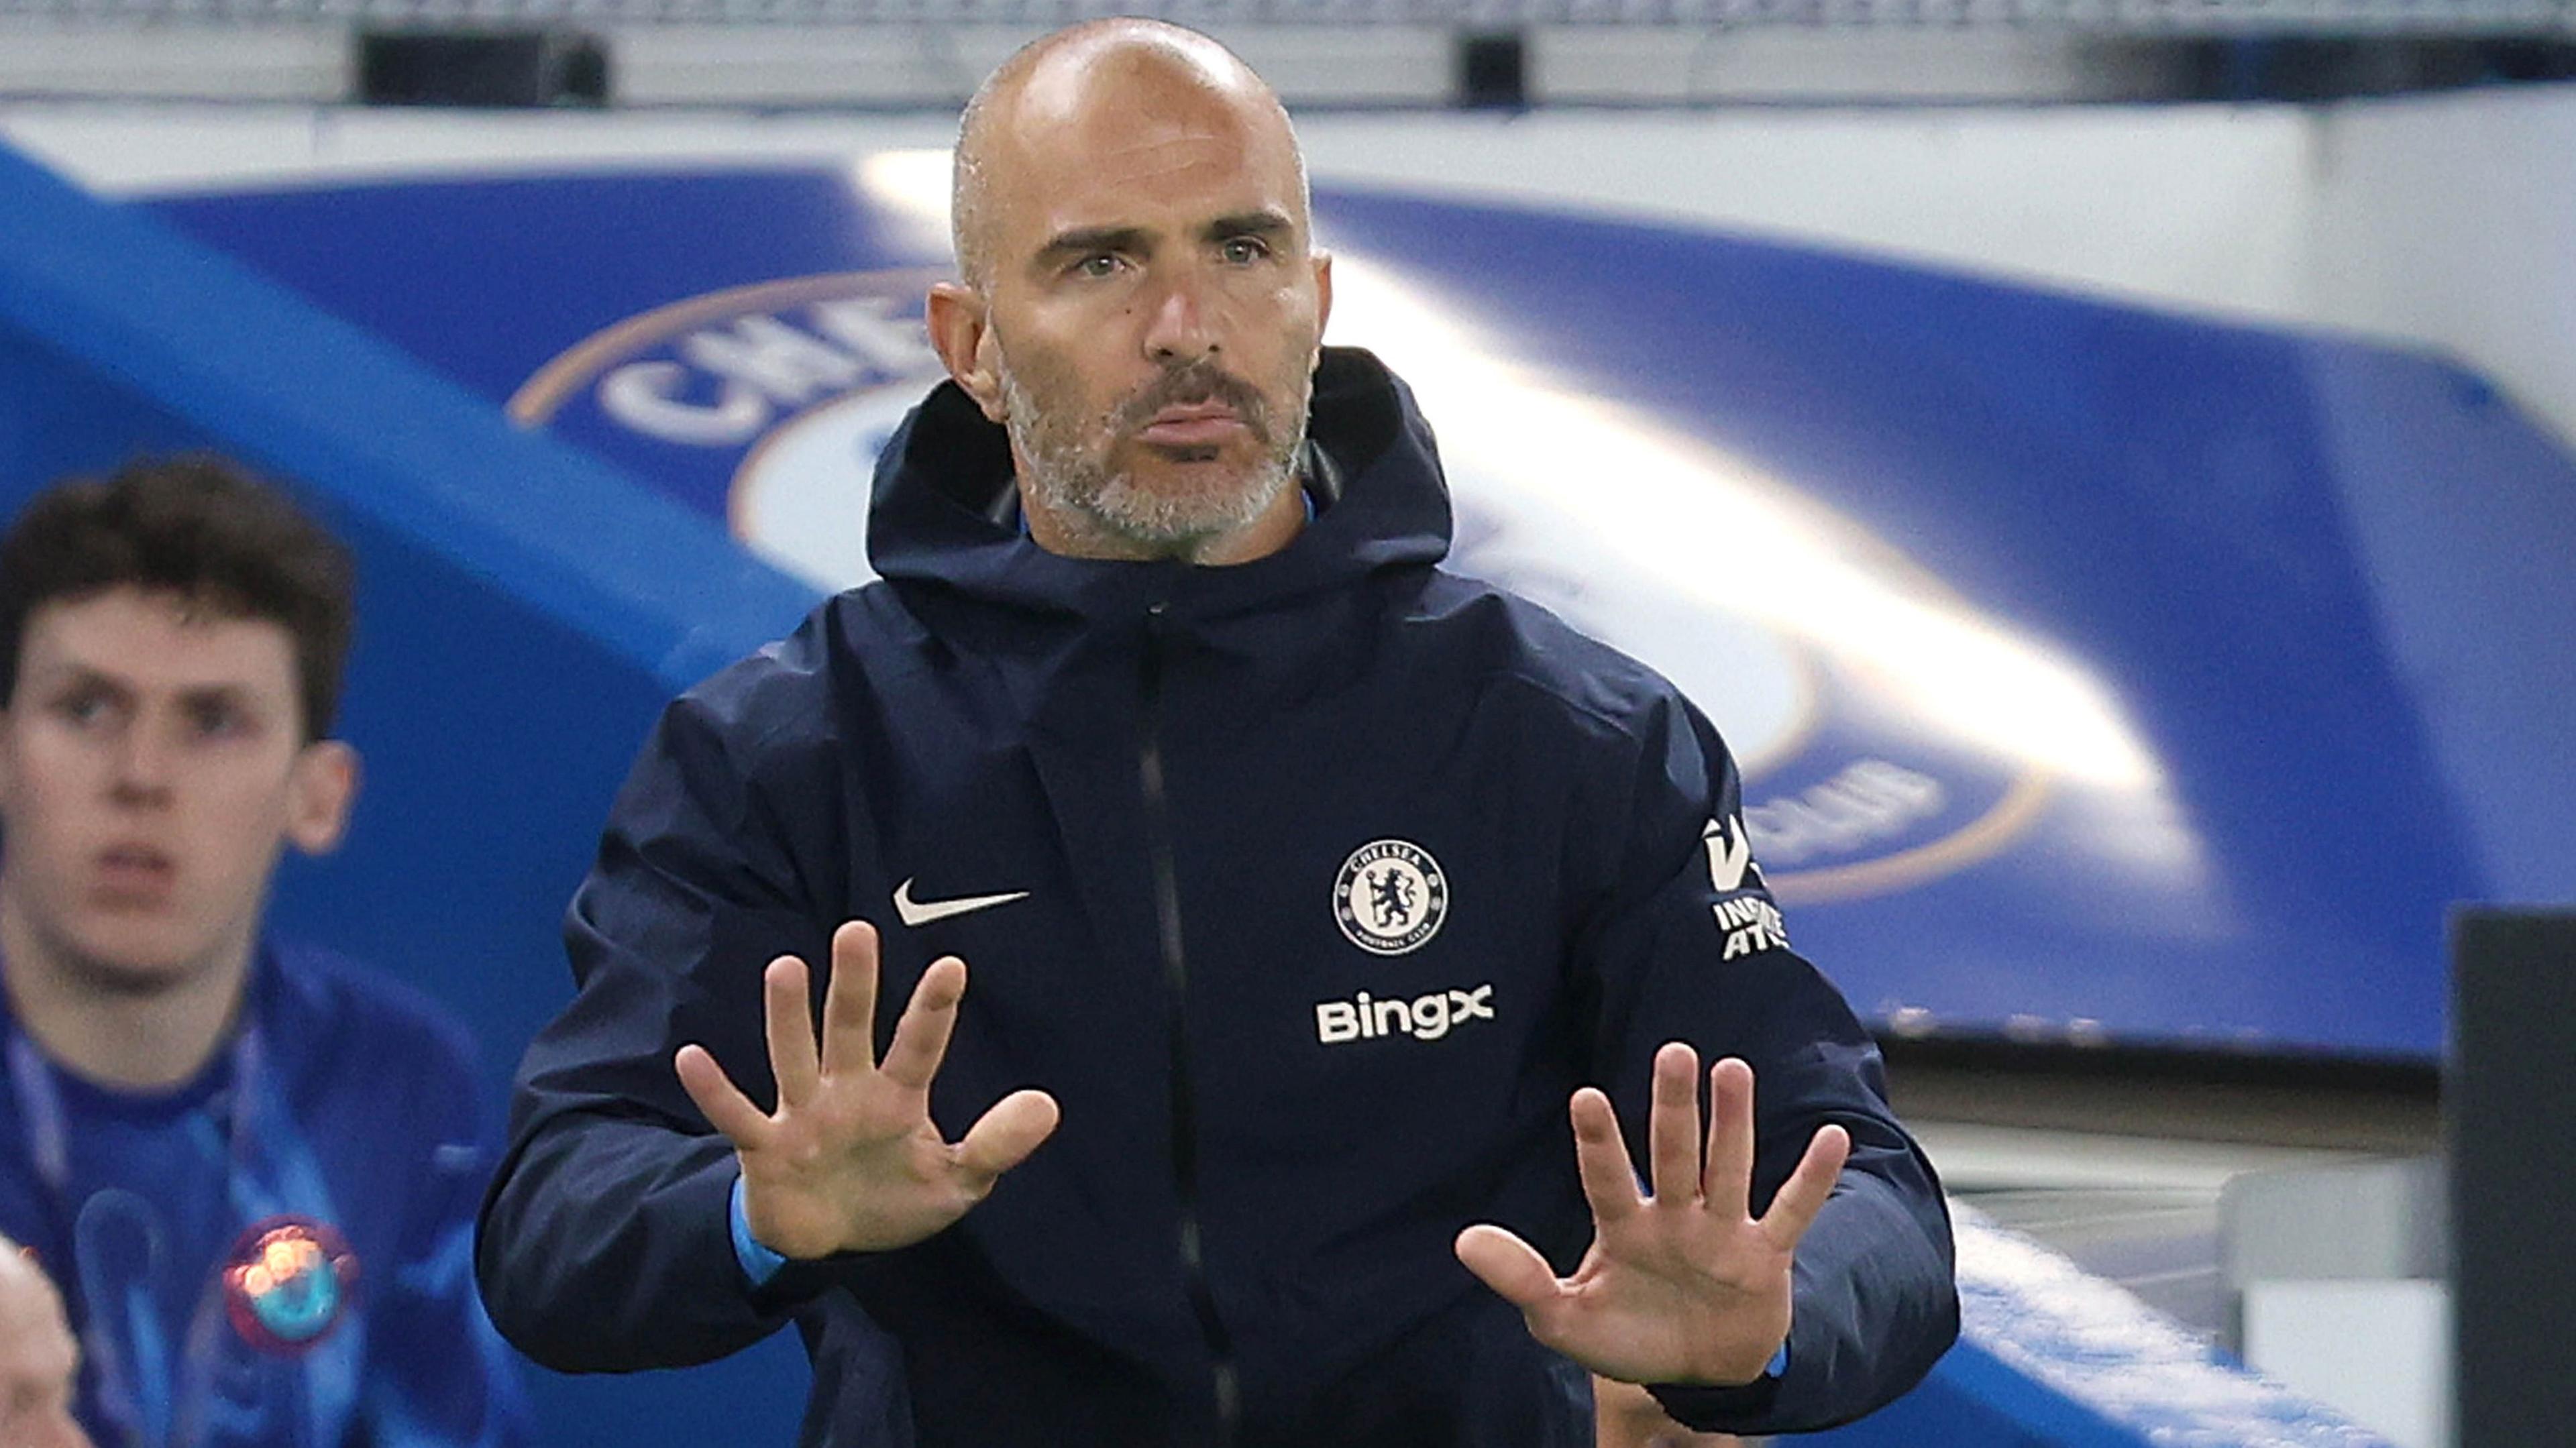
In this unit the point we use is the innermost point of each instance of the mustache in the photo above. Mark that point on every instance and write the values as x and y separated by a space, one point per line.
1196 382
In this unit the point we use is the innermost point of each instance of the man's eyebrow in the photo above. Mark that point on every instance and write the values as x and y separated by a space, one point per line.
1085 240
1262 225
75 674
227 691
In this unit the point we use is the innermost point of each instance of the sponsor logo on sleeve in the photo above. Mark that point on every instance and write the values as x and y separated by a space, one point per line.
1751 922
1730 856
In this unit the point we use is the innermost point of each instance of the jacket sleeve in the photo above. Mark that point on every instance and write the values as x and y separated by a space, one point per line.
604 1241
1686 944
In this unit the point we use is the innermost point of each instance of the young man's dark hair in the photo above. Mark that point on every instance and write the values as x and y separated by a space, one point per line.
197 526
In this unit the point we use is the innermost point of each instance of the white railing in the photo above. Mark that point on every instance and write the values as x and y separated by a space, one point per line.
2108 16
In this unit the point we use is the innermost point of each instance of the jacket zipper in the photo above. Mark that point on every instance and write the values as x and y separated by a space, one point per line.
1176 977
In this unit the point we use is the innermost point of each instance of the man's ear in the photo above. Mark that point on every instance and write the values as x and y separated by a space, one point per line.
8 757
1323 295
963 337
319 793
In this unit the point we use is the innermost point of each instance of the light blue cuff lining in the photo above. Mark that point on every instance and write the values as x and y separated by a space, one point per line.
758 1262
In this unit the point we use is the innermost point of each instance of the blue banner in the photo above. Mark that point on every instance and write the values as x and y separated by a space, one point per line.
2063 688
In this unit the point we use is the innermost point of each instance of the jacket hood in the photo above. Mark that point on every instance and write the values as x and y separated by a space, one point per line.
944 515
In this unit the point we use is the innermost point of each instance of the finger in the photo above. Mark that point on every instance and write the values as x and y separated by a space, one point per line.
850 1002
723 1104
1672 1124
1729 1183
1004 1136
1803 1195
921 1037
1510 1266
1609 1179
791 1030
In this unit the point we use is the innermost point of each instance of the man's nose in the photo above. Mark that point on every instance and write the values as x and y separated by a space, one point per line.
144 764
1181 327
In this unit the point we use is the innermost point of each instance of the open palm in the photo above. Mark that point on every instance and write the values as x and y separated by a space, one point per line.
1683 1285
851 1161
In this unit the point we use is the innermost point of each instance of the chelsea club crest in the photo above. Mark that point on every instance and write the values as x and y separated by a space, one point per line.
1390 897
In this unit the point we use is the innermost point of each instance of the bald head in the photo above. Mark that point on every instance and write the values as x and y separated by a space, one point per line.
1142 305
1058 88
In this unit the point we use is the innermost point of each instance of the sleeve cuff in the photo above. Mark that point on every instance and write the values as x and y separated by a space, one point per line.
758 1263
1706 1409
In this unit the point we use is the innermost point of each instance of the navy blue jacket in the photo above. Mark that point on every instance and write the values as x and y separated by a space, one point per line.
1341 873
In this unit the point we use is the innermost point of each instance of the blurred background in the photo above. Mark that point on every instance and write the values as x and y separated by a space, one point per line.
2104 464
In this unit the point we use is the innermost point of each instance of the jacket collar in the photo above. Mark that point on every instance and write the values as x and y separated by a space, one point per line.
944 517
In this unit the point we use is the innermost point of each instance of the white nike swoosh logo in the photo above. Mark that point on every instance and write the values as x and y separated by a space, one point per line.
919 913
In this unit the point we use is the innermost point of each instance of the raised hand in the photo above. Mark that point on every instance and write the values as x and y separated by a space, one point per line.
38 1359
1685 1285
851 1161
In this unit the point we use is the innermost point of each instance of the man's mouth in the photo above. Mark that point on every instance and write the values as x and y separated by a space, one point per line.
134 873
1194 424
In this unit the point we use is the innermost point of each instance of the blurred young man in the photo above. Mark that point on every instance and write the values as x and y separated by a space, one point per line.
248 1171
1310 890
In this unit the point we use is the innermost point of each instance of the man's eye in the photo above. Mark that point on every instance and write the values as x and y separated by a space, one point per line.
1098 266
217 720
85 708
1243 250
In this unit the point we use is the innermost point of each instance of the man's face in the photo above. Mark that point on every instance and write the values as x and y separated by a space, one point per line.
152 763
1154 308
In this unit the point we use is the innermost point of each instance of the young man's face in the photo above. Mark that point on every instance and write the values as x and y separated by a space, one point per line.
152 764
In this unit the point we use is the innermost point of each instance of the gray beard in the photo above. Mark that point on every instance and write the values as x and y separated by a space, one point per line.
1068 481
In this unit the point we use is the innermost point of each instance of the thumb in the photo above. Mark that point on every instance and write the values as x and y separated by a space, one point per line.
1004 1136
1508 1265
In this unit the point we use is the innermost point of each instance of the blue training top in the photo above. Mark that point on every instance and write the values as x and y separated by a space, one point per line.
277 1250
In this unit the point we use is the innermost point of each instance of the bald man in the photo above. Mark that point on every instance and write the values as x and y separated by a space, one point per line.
1311 890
